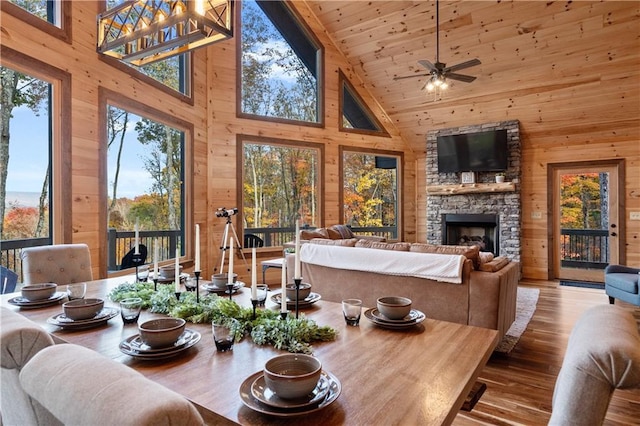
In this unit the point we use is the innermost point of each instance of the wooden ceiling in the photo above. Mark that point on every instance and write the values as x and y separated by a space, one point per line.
524 47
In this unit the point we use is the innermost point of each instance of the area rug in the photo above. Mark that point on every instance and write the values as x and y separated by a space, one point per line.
585 284
525 307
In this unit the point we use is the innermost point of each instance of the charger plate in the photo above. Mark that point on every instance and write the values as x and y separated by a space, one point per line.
394 324
213 289
101 317
247 398
291 304
261 391
24 303
192 337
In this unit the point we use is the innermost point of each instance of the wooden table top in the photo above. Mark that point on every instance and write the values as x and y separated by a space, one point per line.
419 375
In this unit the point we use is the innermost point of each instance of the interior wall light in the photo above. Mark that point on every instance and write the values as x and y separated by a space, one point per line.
144 31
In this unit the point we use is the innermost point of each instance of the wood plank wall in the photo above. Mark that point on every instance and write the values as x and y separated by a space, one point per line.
215 127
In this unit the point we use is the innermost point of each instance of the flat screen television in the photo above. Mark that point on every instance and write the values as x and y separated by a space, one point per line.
473 152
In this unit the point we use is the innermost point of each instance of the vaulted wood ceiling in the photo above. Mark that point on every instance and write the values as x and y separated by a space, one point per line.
526 47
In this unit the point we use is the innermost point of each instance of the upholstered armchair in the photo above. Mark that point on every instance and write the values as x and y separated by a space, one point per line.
60 264
20 340
82 387
603 354
622 282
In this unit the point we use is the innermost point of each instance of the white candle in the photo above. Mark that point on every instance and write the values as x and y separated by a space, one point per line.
254 275
296 270
230 276
197 261
283 296
137 249
155 258
177 277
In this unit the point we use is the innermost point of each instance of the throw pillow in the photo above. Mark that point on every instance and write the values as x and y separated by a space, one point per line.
306 234
495 265
342 230
470 252
383 245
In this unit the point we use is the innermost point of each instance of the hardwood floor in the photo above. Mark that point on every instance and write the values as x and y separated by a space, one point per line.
520 385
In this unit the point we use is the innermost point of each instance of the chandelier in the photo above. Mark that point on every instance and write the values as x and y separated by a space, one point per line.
144 31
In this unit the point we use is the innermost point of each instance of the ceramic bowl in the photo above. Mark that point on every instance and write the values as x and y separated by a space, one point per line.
161 332
303 292
220 280
82 309
394 307
292 376
33 292
169 272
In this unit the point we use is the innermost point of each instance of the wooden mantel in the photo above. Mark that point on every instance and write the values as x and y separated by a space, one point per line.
469 188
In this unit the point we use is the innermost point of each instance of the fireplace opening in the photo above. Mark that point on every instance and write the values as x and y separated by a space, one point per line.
472 229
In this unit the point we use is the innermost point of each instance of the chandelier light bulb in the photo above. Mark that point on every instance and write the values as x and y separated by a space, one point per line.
430 86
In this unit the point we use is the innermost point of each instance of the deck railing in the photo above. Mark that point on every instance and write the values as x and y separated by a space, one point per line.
584 248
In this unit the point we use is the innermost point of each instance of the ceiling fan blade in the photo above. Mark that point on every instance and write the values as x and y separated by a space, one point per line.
411 76
463 65
460 77
428 65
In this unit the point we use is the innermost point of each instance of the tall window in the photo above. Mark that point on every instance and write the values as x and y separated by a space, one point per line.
145 173
280 64
370 191
280 184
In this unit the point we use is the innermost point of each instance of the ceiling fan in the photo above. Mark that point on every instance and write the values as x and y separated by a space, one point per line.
439 72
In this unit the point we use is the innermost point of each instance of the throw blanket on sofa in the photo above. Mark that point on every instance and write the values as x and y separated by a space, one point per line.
437 267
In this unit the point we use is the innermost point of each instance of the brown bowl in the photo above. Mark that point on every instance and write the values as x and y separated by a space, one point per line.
303 292
82 309
394 307
161 332
169 272
33 292
221 280
292 376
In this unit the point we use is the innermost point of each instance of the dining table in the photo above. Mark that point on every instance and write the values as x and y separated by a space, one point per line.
414 375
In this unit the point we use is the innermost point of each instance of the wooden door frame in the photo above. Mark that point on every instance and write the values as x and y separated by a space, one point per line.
619 164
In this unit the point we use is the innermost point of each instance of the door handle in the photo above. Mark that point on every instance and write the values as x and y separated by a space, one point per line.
613 234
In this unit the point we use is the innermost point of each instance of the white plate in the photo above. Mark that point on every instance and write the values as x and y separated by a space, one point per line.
24 303
254 403
125 348
413 315
261 391
101 317
387 324
308 301
213 289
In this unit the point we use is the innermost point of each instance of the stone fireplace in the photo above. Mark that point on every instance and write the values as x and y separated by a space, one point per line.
484 213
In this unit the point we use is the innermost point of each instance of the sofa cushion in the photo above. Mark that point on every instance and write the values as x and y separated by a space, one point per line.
625 282
381 245
307 234
495 265
339 232
470 252
350 242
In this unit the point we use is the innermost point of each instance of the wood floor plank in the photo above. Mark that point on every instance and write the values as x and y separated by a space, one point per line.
520 385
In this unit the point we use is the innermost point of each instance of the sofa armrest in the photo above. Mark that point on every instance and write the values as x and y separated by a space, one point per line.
621 269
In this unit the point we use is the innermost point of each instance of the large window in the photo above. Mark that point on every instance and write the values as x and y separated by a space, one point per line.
145 178
280 64
370 191
280 184
51 16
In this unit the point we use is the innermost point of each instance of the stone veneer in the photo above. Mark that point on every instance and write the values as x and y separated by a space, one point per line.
506 205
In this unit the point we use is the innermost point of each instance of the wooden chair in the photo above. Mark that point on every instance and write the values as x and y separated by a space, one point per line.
60 264
82 387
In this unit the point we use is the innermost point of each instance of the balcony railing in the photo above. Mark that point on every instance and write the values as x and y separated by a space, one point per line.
120 242
584 248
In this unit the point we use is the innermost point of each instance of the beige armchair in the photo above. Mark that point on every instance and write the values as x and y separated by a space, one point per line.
603 355
20 340
60 264
82 387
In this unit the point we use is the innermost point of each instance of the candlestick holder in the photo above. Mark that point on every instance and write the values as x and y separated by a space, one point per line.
230 290
283 315
136 259
155 283
254 302
297 282
197 274
178 293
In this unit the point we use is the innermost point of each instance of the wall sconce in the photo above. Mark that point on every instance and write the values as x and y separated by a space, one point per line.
144 31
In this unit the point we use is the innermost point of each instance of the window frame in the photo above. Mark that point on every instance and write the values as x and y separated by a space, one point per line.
109 97
60 222
241 139
399 179
320 70
62 32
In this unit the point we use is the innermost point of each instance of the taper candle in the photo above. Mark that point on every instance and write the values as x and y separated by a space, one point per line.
296 270
254 275
197 260
283 295
230 276
177 276
155 258
137 244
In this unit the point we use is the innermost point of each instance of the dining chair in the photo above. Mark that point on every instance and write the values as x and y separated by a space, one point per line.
8 280
82 387
20 340
127 259
58 263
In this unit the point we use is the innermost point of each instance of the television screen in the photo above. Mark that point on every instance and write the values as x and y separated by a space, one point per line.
473 152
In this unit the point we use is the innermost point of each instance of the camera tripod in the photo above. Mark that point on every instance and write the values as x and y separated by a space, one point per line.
224 246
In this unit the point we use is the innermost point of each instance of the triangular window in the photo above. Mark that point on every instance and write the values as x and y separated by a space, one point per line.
355 115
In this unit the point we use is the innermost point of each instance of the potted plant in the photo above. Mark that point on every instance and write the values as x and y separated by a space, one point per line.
499 177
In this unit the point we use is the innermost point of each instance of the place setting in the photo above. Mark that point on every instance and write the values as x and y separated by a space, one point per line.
220 283
394 312
306 297
159 339
83 313
38 295
290 385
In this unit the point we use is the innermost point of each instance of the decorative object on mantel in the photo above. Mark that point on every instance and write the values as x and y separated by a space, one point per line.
454 189
145 31
499 177
291 334
467 177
